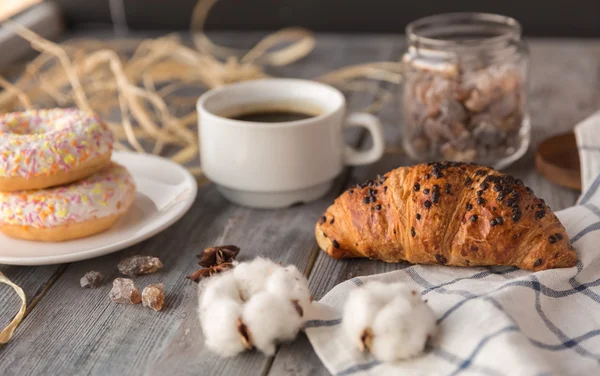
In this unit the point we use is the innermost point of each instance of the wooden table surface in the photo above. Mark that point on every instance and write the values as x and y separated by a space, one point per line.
73 331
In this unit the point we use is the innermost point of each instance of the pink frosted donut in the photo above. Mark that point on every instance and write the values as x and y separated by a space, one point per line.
44 148
70 211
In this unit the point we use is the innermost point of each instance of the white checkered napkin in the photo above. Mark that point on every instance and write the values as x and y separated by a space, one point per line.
496 320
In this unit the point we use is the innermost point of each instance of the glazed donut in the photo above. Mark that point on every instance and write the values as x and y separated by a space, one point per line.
45 148
72 211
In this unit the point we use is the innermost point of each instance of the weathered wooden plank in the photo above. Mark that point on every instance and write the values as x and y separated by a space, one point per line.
32 280
563 91
88 334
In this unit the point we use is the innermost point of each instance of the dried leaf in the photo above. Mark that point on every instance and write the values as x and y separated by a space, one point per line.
296 304
366 339
245 335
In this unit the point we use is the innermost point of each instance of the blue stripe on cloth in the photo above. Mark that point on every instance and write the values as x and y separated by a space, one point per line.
448 356
474 276
593 227
570 343
451 358
466 294
357 281
467 363
591 191
584 288
545 290
320 323
557 332
358 368
593 208
537 287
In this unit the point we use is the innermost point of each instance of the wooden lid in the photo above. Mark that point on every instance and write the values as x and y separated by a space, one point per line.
557 159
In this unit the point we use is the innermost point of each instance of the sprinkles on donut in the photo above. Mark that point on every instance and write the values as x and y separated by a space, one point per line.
45 148
71 211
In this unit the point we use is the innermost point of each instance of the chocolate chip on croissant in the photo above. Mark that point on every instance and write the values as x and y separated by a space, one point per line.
446 213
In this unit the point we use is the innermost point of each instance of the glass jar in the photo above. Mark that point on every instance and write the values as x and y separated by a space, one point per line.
465 92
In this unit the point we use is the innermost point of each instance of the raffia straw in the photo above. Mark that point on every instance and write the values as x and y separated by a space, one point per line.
149 85
302 43
42 44
94 75
388 71
23 98
7 333
127 125
201 41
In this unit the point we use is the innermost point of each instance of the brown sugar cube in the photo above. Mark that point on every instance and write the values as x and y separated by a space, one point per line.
124 292
153 296
91 280
138 265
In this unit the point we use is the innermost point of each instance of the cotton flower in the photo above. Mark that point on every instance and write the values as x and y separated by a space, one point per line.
289 283
386 292
270 319
400 331
252 275
220 327
256 304
221 286
390 320
359 314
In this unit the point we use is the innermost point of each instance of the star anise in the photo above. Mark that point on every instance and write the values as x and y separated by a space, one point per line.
218 255
209 272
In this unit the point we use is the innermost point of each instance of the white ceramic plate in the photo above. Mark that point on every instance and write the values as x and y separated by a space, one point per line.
165 192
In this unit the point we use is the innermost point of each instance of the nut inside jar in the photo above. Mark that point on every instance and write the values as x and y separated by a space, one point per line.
459 104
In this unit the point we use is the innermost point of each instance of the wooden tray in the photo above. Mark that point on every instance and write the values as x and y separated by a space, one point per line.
557 159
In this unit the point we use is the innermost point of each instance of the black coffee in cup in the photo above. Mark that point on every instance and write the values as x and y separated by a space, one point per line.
273 112
272 116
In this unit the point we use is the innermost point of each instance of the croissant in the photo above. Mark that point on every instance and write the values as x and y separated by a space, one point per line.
446 213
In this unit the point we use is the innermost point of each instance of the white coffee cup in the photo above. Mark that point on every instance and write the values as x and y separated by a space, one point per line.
273 165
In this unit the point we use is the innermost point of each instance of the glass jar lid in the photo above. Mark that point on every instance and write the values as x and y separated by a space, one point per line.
465 38
463 29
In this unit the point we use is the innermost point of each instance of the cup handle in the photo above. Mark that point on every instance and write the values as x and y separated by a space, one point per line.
354 157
